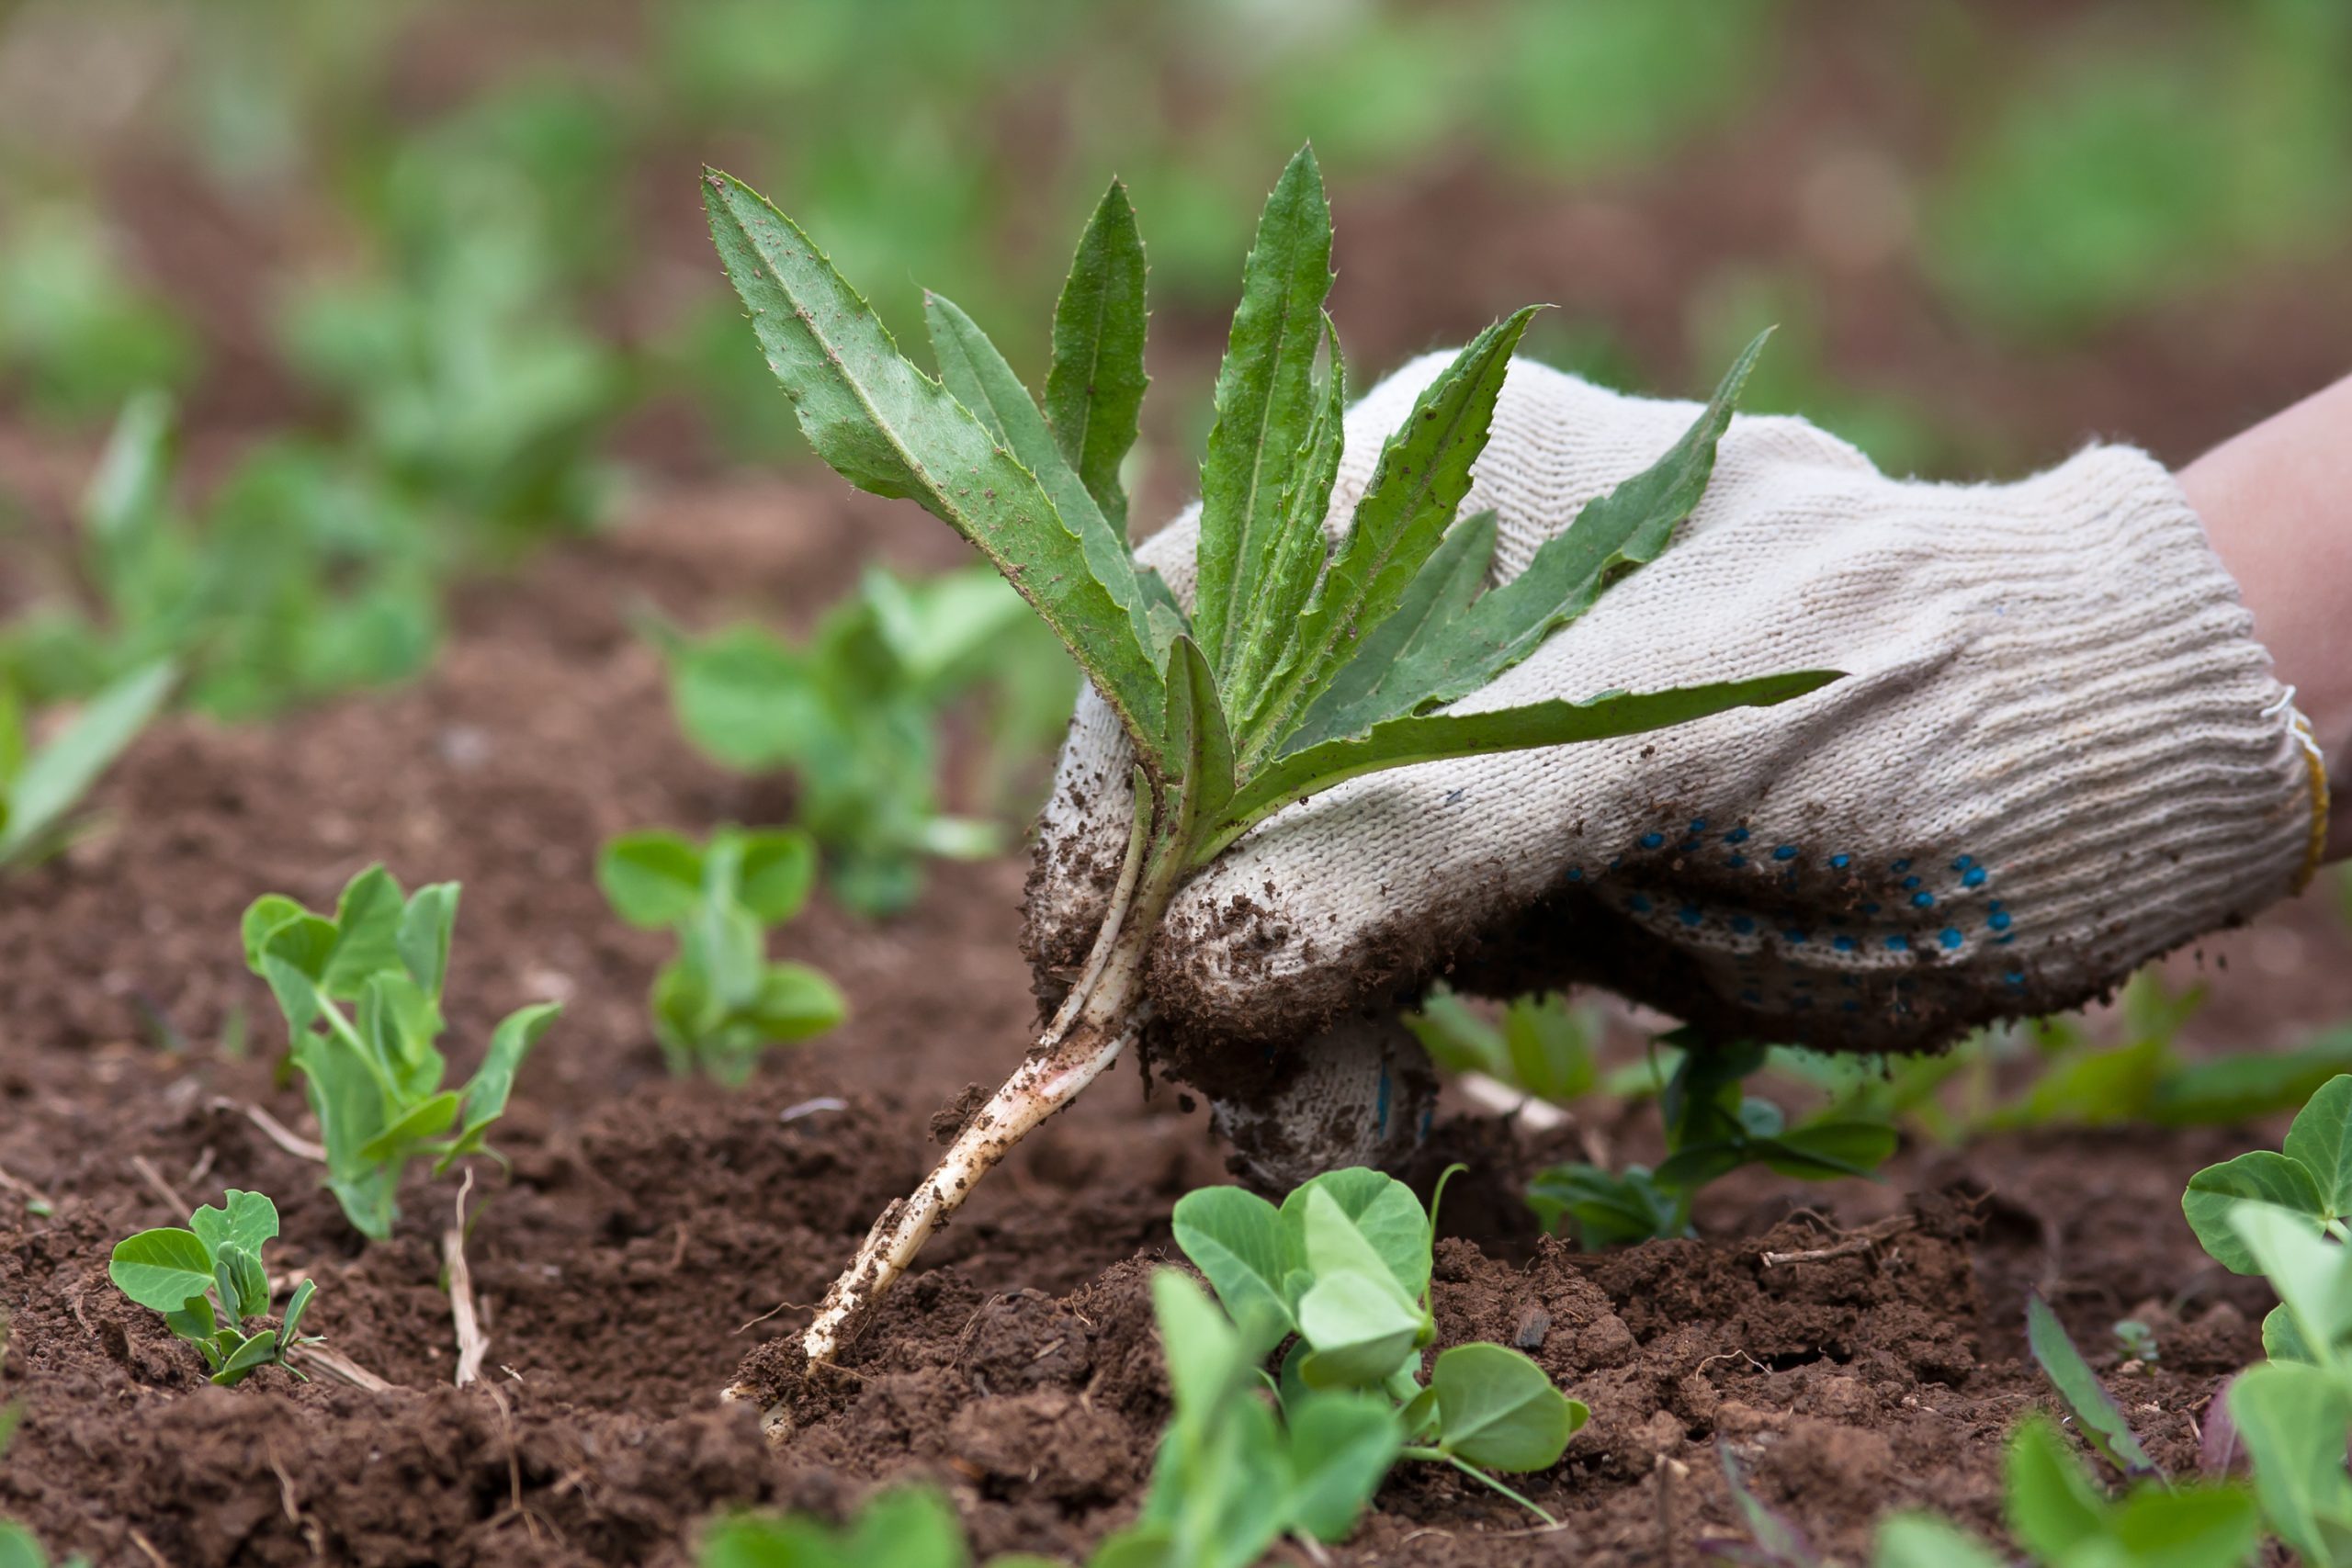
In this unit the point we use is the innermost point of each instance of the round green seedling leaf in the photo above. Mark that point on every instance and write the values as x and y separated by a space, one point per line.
652 879
1499 1410
2312 1278
1238 1240
2262 1176
1381 1212
1361 1328
2320 1142
776 872
161 1269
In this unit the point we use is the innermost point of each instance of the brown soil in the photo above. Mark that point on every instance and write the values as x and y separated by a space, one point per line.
649 1227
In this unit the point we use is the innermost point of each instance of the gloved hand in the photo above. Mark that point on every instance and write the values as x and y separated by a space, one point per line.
2057 752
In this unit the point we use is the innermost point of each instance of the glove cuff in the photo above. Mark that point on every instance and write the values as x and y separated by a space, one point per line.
2083 755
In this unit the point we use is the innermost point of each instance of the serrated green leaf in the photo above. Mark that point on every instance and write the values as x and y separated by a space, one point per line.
2320 1139
54 779
889 429
1340 1447
1378 681
651 878
1499 1411
1239 1242
1622 530
1400 742
161 1268
2095 1413
2262 1176
979 379
486 1092
1299 552
1203 747
246 1219
1265 398
1419 480
1094 388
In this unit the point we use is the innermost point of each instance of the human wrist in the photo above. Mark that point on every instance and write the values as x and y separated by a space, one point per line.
2273 501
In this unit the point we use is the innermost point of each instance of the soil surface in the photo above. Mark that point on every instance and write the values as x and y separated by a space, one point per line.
1860 1353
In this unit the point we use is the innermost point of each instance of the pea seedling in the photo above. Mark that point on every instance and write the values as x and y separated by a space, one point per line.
852 713
208 1280
373 1073
1344 1265
720 1001
1297 666
2283 1215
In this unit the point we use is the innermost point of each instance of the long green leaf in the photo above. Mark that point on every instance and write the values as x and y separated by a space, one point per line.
1265 396
1449 657
60 772
887 428
1205 750
2095 1411
1422 475
982 380
1299 553
1435 737
1094 388
1380 681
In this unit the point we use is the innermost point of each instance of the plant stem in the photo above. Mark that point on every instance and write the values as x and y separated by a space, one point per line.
1100 1015
1474 1472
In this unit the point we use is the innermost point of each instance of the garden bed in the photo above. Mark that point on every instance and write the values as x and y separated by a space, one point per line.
1861 1353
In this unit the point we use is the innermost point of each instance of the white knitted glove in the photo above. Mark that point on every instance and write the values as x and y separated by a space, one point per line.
2058 751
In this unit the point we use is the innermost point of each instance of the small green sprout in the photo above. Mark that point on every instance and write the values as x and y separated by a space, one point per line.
1712 1130
1299 664
2138 1340
208 1280
373 1073
721 1002
41 786
1344 1265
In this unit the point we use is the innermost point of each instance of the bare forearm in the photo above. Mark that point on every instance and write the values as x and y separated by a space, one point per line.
2277 502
